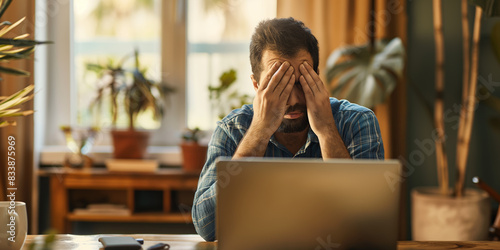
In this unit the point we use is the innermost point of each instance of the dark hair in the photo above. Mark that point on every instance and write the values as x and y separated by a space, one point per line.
286 36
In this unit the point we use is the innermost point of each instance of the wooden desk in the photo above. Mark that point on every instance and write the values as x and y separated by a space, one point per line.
195 242
64 182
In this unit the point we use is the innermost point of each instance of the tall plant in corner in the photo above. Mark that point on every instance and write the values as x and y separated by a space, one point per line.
14 48
469 88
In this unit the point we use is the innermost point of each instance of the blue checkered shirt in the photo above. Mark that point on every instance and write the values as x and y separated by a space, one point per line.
357 126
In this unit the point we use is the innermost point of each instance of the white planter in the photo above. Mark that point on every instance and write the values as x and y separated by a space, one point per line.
445 218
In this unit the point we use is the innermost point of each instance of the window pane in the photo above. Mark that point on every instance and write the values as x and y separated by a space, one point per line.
219 33
106 32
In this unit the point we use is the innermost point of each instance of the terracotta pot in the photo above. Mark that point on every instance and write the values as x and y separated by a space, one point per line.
194 156
437 217
130 144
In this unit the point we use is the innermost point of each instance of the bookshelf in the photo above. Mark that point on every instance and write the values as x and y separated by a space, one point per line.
164 196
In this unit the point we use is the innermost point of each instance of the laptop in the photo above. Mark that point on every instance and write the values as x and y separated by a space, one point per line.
274 203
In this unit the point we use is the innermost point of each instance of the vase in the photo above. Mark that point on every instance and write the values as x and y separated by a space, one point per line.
194 156
439 217
130 144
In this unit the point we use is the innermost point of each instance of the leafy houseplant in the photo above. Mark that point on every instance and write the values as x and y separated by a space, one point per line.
193 154
366 74
14 49
137 96
223 98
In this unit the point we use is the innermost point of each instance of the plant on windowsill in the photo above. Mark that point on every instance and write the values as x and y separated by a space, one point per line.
223 97
193 153
140 95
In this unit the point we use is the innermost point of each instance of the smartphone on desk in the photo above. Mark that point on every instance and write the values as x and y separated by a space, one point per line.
119 242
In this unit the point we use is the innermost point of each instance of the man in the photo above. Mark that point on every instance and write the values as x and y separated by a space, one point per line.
292 114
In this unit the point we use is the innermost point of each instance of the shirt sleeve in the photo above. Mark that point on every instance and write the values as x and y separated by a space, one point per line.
204 203
366 140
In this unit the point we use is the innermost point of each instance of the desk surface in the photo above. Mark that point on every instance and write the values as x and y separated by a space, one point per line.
190 241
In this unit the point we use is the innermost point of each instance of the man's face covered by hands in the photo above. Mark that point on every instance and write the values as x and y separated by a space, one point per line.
295 118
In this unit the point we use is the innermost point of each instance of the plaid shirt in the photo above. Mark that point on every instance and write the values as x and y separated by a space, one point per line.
357 126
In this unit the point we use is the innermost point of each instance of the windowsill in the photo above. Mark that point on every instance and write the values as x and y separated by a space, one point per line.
166 155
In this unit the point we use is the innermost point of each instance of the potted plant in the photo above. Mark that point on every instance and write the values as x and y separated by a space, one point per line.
194 154
366 74
443 213
438 213
223 97
137 96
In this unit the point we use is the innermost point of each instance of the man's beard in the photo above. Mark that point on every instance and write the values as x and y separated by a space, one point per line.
295 125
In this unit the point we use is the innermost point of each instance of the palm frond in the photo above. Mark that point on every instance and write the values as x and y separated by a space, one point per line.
13 71
21 42
7 123
8 28
17 98
4 4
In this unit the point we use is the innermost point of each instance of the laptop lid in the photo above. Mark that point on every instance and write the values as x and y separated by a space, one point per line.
272 203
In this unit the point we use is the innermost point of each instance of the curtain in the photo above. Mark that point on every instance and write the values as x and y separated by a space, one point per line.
346 22
23 132
337 23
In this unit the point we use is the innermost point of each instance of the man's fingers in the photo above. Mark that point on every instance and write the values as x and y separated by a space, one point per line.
288 88
269 75
311 71
283 82
308 77
276 78
306 88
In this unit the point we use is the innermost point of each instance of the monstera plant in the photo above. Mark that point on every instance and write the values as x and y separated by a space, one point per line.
366 74
14 48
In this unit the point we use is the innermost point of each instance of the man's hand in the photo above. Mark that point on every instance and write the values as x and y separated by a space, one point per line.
269 106
270 101
320 114
317 96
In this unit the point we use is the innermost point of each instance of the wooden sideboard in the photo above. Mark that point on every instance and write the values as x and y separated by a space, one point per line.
122 188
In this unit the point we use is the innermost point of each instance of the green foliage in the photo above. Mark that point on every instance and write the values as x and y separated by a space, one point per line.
223 98
364 75
14 49
192 135
138 92
8 105
47 244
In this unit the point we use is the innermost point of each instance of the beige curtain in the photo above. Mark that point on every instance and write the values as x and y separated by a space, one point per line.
23 132
336 23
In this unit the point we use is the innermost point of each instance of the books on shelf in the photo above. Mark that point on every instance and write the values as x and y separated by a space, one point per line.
103 209
132 165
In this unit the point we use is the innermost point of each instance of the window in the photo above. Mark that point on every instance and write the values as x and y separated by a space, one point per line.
106 33
218 39
214 33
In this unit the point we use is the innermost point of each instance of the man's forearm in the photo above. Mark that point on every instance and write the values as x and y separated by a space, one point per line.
332 145
253 144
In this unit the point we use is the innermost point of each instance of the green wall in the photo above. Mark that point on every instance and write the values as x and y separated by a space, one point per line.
485 142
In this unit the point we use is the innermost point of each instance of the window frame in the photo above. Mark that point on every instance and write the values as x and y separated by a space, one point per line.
54 69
